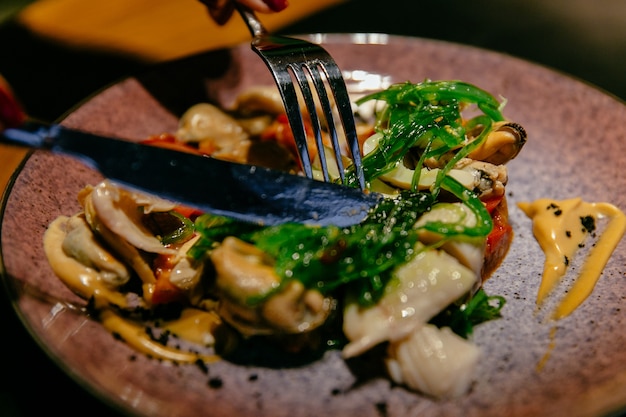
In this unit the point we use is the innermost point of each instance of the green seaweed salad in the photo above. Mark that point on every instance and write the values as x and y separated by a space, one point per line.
424 119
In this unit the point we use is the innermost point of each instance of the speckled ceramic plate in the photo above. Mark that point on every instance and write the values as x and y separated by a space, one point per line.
575 148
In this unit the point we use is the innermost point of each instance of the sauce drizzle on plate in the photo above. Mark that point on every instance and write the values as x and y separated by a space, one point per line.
562 229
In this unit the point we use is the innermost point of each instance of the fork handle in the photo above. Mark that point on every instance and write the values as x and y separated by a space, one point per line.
249 17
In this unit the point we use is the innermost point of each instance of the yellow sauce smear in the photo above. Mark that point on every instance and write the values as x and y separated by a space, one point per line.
561 229
134 334
194 325
551 346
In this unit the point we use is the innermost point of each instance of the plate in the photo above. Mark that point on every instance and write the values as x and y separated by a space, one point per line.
574 367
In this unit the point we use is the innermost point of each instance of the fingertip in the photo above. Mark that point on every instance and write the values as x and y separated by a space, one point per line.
277 5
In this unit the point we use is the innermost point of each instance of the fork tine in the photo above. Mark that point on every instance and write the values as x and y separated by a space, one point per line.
335 81
344 108
303 81
320 87
288 57
294 116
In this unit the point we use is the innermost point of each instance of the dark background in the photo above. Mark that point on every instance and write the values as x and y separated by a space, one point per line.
583 38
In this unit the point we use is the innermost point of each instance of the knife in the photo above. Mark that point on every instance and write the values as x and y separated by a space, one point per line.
244 192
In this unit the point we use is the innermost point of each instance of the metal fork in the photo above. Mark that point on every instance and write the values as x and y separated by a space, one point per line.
294 61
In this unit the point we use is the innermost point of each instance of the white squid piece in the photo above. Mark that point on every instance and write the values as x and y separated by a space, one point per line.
434 361
469 252
419 290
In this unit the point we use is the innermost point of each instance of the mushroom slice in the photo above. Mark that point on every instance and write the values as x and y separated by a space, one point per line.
296 309
260 99
81 244
86 281
215 131
187 272
121 211
244 272
254 300
127 252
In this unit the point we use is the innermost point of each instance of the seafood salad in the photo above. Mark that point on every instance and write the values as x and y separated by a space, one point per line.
189 287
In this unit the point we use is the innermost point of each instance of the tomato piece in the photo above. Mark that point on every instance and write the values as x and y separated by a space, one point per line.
492 203
499 240
169 141
189 212
280 132
501 229
164 291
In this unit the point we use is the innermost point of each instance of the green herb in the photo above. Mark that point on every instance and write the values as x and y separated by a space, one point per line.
362 256
462 318
171 226
213 229
426 116
484 223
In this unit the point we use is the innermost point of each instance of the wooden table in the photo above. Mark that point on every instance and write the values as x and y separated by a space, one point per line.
10 159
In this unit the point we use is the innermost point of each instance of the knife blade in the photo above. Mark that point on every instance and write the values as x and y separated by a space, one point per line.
245 192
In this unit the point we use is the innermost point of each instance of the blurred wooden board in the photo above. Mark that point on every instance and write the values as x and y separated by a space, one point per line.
154 30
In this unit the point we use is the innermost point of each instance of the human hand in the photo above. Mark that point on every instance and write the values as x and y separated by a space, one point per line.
222 10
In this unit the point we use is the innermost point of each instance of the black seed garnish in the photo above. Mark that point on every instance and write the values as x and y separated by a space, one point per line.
91 307
202 366
216 382
557 209
382 408
589 223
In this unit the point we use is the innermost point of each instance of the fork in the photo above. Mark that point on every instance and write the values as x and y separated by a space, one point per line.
294 61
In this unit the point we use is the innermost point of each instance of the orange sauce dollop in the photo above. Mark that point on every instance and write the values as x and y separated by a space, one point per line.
561 229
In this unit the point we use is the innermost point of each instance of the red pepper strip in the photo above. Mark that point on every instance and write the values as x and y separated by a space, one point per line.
280 132
169 141
11 113
492 203
501 229
189 212
498 240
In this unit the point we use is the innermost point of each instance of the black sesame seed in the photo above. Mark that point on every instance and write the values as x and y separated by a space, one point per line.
202 366
216 382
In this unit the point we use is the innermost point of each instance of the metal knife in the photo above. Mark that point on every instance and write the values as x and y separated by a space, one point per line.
245 192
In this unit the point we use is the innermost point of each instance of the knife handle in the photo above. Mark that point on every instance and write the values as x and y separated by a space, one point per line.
32 134
15 128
